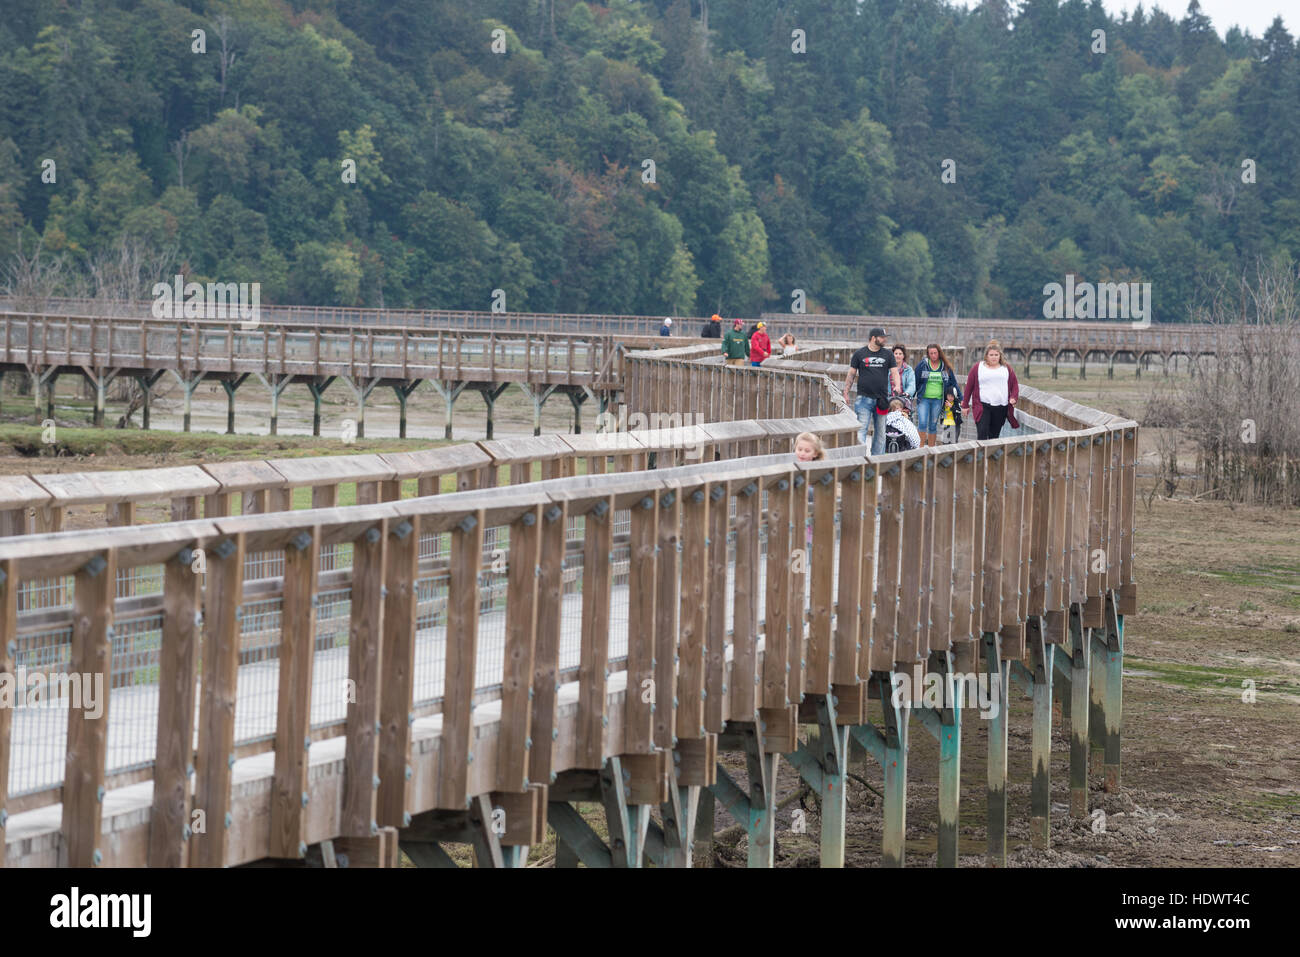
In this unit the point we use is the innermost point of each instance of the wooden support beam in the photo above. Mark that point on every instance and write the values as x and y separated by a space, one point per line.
716 710
799 559
1041 656
598 539
427 854
1080 682
833 739
546 661
940 555
884 627
646 777
744 664
963 556
667 583
776 625
857 541
626 822
1113 699
693 616
224 598
696 761
289 795
366 668
576 836
820 559
378 850
456 743
760 820
639 702
894 761
522 818
9 586
999 672
485 833
520 647
913 549
397 681
780 729
999 527
178 658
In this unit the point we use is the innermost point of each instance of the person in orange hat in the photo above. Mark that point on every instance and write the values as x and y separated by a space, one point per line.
712 328
760 346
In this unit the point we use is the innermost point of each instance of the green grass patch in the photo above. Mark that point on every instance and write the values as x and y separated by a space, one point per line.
28 440
1207 678
1272 575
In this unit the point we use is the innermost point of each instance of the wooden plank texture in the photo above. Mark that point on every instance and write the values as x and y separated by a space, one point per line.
456 744
293 702
223 598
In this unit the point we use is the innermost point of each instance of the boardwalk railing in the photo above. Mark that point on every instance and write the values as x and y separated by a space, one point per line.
1022 337
479 647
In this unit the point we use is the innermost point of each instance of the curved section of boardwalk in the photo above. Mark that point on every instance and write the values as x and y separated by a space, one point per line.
432 666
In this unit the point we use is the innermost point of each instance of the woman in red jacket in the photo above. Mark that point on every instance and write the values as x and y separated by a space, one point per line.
760 346
991 393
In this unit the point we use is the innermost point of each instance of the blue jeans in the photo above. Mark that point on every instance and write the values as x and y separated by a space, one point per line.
865 409
927 415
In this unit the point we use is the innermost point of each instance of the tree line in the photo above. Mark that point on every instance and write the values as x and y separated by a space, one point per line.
671 157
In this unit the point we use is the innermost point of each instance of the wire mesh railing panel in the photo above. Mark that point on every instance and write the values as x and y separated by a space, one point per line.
257 685
45 594
39 729
620 580
571 611
492 589
330 689
133 717
141 580
430 638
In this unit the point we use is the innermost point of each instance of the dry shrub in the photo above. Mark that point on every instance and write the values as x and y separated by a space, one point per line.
1240 408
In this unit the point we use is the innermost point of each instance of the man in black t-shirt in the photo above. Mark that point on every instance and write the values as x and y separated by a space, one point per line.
877 375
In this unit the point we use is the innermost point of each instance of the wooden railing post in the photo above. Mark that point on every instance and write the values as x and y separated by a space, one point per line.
366 667
289 795
520 648
224 598
639 703
456 743
178 658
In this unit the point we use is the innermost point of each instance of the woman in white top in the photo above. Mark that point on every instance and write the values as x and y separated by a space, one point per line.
786 342
991 393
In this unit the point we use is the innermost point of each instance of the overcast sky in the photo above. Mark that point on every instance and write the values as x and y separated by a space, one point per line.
1252 15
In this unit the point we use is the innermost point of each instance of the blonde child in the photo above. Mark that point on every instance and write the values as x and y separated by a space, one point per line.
808 448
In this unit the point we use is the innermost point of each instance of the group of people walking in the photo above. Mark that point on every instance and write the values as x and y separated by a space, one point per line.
902 406
889 389
741 345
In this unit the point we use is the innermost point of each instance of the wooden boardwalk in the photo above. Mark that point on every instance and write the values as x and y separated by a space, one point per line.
1026 340
1022 569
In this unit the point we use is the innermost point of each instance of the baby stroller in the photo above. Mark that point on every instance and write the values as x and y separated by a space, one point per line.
895 439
